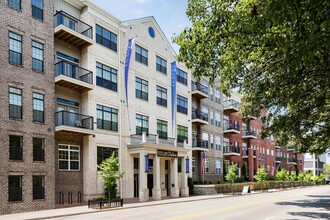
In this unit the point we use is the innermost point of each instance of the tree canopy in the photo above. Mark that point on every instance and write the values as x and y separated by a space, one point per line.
276 53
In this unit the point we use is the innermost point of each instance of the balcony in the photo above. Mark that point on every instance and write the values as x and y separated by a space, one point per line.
73 77
199 91
278 159
230 106
199 118
291 148
200 144
153 142
231 150
249 135
229 128
72 31
73 122
292 161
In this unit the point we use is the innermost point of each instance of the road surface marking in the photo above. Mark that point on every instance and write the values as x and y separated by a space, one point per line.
224 209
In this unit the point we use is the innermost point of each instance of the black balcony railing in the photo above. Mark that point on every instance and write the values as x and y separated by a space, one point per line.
249 133
230 103
200 87
73 71
278 158
231 149
73 120
200 143
245 152
230 126
199 115
292 160
292 148
62 18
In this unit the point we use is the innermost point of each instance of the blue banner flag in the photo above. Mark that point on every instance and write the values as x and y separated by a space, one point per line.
173 90
187 165
127 61
147 163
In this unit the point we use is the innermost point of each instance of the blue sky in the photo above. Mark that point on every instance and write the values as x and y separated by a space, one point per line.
170 14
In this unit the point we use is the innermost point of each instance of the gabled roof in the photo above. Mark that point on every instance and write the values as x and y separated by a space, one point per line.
153 20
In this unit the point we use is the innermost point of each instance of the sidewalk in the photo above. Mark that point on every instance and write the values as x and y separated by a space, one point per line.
57 213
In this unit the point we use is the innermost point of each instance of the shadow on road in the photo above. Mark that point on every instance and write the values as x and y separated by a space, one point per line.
320 202
317 215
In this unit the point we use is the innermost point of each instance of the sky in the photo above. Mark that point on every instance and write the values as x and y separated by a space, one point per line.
169 14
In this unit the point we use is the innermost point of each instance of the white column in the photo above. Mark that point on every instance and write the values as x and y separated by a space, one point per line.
88 165
174 178
184 179
156 191
143 190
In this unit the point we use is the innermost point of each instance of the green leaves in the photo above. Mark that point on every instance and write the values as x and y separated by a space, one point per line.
261 175
276 52
231 176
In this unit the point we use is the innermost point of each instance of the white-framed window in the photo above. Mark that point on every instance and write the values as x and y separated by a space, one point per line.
193 164
211 117
218 166
217 96
272 152
268 169
217 119
211 93
267 151
207 165
68 157
217 142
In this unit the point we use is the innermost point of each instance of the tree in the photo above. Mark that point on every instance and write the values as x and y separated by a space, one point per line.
293 176
261 174
231 175
308 177
326 170
276 53
110 174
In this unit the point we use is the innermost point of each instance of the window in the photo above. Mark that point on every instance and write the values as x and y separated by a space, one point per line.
268 169
217 143
211 117
141 54
38 187
104 153
15 103
68 157
107 118
37 9
161 65
37 56
15 4
217 166
217 119
205 138
15 147
15 49
161 96
142 124
38 107
182 104
212 140
181 76
106 38
207 165
193 164
217 96
141 88
106 77
211 93
162 129
38 149
179 165
182 133
14 188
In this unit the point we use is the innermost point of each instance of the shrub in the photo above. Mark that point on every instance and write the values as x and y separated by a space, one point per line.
308 177
231 176
281 175
293 176
261 175
301 177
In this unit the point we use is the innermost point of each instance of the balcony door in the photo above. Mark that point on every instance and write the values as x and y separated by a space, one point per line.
70 112
67 65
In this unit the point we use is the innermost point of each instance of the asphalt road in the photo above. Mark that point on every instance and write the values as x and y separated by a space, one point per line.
306 203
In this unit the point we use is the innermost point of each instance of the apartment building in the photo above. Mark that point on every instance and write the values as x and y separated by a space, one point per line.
207 132
289 159
27 93
244 146
313 163
95 117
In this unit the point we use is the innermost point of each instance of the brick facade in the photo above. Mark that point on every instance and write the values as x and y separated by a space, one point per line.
29 81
